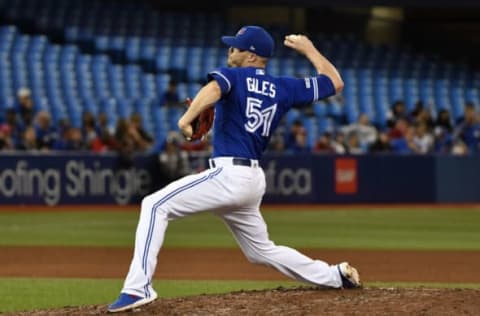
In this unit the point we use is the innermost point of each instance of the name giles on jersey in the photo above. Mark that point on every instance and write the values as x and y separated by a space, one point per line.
261 87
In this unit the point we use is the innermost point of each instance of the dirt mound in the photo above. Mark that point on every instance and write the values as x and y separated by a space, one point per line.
231 264
304 301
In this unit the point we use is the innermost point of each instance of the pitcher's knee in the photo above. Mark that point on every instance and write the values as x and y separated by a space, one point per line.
257 257
148 202
253 258
152 203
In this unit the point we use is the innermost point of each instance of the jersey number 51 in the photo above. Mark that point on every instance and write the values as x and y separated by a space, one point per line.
258 116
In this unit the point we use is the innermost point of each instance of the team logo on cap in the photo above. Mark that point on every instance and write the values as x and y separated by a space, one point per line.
241 31
252 47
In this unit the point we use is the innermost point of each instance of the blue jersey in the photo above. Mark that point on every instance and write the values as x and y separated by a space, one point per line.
252 105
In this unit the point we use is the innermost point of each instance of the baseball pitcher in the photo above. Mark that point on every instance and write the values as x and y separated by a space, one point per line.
249 104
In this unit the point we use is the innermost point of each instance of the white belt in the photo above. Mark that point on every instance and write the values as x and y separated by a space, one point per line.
232 161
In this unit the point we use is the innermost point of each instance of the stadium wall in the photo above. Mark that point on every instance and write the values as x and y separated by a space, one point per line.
51 179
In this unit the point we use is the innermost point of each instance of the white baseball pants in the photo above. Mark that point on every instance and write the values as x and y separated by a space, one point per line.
234 193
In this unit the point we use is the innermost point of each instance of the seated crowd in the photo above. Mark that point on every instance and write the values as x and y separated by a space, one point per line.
24 128
405 133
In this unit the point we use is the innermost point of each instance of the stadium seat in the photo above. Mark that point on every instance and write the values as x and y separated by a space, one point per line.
124 63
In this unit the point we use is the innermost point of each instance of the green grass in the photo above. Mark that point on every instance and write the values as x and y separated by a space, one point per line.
429 228
19 294
85 228
456 229
380 229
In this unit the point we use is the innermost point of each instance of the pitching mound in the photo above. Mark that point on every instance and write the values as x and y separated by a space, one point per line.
305 301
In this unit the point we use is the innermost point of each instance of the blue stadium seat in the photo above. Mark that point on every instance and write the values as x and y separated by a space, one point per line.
162 57
124 108
132 49
320 109
161 81
173 115
192 89
293 115
126 61
325 125
311 126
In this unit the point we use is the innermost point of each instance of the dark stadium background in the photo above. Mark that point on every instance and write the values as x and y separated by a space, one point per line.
103 58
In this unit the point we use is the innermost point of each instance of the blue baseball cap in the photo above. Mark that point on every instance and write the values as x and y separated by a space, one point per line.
252 38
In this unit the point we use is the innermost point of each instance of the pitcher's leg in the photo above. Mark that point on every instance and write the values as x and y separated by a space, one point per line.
148 241
183 197
250 231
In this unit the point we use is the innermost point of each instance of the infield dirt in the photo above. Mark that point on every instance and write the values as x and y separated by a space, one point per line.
229 264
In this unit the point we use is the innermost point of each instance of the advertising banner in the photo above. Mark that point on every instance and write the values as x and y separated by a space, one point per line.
72 179
52 179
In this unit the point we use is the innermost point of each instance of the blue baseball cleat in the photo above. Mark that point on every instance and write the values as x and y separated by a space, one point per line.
127 302
349 275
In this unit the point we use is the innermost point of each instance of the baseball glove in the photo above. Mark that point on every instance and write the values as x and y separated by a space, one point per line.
202 123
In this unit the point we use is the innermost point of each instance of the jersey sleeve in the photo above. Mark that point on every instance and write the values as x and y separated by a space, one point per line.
225 78
311 89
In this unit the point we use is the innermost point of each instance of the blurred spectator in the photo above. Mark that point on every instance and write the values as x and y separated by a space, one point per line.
170 96
6 142
278 145
63 125
102 124
46 134
327 144
142 140
416 110
421 114
277 142
443 141
301 143
381 144
12 125
422 139
63 131
122 135
28 140
76 140
353 145
338 144
129 139
174 162
398 111
426 117
406 144
296 139
25 106
323 144
89 128
469 129
125 143
459 148
444 120
468 111
104 142
399 130
72 139
366 133
295 128
442 133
